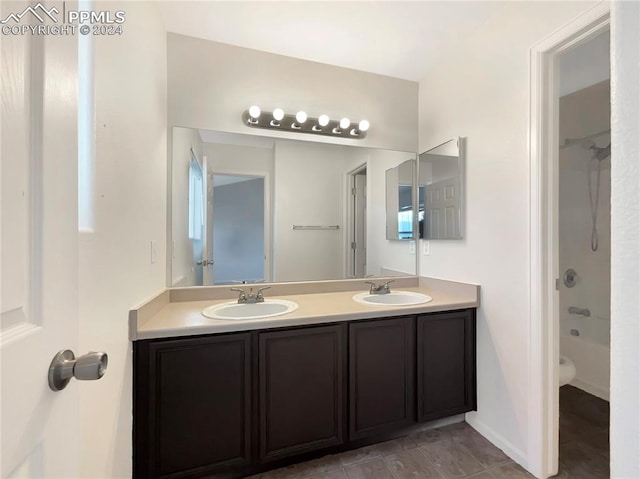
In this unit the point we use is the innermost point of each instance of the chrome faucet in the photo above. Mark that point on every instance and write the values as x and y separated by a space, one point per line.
250 297
379 288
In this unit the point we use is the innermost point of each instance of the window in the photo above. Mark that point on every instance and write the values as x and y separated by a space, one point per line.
196 199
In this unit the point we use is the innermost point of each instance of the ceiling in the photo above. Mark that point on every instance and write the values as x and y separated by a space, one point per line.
393 38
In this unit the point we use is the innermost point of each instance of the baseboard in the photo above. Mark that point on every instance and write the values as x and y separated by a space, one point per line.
590 388
500 442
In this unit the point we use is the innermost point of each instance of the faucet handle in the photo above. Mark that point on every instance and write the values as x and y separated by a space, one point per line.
243 294
373 287
389 282
259 295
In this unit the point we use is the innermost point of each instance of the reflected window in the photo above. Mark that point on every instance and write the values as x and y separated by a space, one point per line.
196 199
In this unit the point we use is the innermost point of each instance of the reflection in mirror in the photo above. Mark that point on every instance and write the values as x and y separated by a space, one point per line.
269 209
399 208
441 191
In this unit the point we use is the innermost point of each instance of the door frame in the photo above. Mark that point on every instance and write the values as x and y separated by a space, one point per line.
543 409
349 235
268 247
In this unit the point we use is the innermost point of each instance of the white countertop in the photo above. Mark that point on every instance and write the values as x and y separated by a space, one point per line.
164 319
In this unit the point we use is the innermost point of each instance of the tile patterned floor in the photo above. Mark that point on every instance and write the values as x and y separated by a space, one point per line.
584 435
451 452
459 452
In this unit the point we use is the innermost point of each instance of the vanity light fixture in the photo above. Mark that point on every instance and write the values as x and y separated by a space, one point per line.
302 123
254 114
323 120
301 117
362 126
278 115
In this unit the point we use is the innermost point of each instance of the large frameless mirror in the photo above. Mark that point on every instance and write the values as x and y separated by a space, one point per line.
249 208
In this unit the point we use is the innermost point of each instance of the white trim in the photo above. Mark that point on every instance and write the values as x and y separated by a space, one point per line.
543 410
348 219
518 455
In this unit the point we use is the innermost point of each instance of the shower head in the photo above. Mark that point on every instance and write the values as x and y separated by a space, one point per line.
601 153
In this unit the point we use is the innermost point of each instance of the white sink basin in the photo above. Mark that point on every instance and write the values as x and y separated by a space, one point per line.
394 298
235 310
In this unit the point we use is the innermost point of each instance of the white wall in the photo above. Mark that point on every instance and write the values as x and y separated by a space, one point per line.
307 192
480 90
130 211
183 270
625 241
384 256
211 84
585 65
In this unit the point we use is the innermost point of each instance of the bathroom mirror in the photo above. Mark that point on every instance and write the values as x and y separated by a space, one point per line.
249 208
400 187
441 191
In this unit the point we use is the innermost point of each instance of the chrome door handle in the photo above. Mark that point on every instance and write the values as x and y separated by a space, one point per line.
208 262
65 366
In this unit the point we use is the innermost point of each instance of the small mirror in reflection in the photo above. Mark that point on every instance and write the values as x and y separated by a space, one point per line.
441 191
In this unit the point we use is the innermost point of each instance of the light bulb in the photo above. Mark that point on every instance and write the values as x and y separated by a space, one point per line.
344 123
323 120
254 111
363 125
301 117
278 114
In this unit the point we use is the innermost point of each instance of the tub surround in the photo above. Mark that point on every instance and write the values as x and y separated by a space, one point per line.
178 311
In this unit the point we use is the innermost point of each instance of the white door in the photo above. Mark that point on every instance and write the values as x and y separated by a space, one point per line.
442 206
239 222
207 249
39 261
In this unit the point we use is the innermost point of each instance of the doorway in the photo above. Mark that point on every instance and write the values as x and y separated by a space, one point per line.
237 229
546 277
584 255
357 223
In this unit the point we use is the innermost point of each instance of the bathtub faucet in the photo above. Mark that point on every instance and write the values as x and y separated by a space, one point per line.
580 311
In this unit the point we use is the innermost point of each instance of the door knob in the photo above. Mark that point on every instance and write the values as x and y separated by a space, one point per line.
65 366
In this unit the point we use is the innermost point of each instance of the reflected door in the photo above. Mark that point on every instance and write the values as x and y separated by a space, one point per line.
238 229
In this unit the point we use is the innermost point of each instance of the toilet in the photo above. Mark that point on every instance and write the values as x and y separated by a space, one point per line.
567 371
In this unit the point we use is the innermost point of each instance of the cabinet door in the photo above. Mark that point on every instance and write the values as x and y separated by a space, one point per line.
192 406
446 364
381 376
301 390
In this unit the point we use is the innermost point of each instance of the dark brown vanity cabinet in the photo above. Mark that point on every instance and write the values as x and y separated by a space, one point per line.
302 384
381 376
192 406
446 369
229 405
